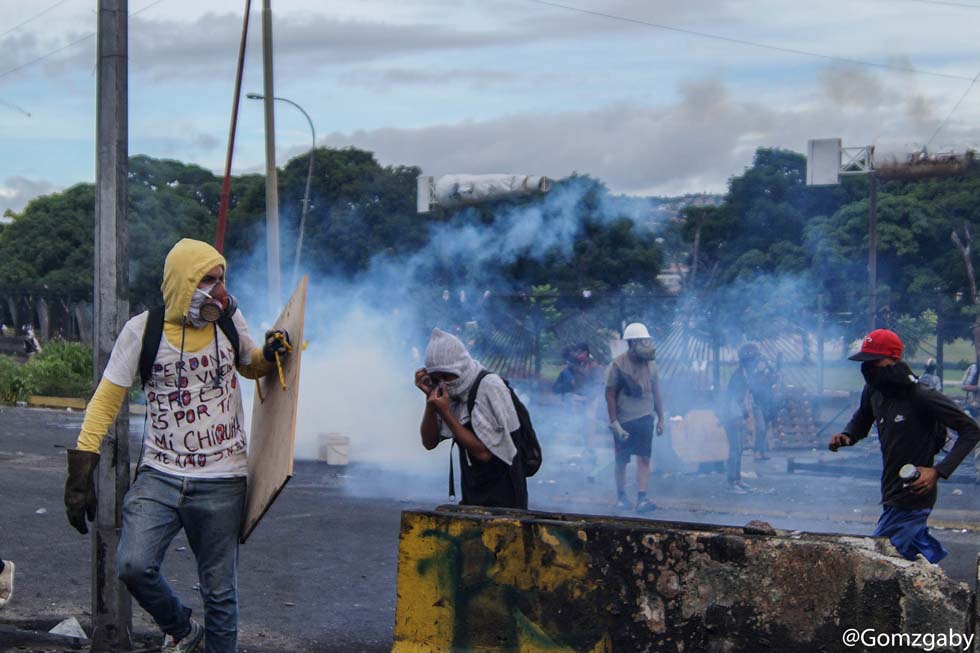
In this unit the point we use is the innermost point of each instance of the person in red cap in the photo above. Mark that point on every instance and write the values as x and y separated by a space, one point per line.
912 421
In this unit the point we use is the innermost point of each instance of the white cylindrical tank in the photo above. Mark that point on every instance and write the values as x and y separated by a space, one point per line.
451 191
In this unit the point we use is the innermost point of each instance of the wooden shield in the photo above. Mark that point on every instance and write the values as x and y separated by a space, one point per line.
273 432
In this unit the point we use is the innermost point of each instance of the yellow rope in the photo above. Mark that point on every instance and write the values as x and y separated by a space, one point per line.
282 377
288 347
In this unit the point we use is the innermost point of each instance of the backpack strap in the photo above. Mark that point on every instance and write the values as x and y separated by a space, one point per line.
227 326
470 403
452 474
471 398
153 331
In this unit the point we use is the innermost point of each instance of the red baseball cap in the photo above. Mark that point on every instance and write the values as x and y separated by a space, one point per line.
880 343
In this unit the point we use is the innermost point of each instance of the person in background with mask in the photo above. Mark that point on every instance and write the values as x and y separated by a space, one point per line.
490 467
632 398
192 466
930 379
912 421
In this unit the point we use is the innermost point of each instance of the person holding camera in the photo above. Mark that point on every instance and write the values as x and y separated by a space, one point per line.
490 467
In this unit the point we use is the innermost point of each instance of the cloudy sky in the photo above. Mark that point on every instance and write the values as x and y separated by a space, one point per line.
633 96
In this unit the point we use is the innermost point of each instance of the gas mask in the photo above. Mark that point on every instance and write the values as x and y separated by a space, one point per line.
643 349
210 304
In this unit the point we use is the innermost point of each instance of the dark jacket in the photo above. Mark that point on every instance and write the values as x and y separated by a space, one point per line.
912 421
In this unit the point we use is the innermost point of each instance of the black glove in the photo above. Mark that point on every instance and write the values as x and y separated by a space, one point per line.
274 345
80 500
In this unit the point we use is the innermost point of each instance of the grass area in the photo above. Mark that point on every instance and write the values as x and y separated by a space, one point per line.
957 354
62 369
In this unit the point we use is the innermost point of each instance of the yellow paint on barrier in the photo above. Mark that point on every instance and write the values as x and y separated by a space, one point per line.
497 581
478 586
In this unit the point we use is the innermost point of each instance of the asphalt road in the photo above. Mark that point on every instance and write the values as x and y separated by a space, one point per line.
319 574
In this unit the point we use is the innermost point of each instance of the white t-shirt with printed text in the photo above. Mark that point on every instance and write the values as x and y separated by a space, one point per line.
197 430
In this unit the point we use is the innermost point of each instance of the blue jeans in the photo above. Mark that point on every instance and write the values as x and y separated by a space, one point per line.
210 511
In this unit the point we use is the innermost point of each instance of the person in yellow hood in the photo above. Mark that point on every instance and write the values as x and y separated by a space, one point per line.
192 465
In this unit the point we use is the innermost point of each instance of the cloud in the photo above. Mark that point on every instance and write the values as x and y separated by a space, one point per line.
387 78
16 192
693 144
206 142
302 43
192 43
849 86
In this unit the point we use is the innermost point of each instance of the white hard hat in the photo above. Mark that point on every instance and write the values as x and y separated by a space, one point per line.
635 331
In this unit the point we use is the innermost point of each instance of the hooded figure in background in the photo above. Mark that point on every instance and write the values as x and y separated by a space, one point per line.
491 470
632 397
192 465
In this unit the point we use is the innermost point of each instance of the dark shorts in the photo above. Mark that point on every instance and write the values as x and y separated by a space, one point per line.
640 442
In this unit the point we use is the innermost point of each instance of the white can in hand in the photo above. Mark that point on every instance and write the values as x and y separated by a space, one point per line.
909 474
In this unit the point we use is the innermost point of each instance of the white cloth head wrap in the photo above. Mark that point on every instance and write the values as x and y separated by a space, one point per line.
494 416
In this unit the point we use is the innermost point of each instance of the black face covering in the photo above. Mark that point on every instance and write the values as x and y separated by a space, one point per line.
890 379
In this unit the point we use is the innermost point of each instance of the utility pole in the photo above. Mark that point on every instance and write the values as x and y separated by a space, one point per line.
820 344
271 177
872 250
111 606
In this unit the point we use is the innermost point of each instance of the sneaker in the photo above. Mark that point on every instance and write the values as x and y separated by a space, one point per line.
646 506
6 583
622 503
186 644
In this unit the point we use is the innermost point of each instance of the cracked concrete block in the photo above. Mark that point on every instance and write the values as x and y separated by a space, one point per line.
477 580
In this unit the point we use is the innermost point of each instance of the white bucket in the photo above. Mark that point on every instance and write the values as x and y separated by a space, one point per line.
334 448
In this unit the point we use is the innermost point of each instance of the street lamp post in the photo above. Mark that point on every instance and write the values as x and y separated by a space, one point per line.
309 177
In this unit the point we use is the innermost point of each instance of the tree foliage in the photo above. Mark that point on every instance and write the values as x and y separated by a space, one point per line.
771 226
360 212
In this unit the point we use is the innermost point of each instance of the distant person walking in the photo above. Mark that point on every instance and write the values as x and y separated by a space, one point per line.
632 398
912 420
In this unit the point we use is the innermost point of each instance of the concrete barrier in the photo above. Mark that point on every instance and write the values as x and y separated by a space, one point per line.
477 580
40 401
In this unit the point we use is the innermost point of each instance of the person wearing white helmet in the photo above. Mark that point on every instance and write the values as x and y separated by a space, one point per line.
632 397
930 379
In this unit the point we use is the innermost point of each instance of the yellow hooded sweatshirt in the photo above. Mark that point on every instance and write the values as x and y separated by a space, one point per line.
186 264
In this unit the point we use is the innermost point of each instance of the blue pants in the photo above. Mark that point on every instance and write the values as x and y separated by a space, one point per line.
909 534
210 511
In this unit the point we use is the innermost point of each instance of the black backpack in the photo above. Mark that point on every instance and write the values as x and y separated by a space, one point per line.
525 440
153 331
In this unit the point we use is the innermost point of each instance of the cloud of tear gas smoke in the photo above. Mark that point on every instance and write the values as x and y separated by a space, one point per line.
366 335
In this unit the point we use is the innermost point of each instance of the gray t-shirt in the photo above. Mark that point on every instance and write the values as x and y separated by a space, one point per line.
631 401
